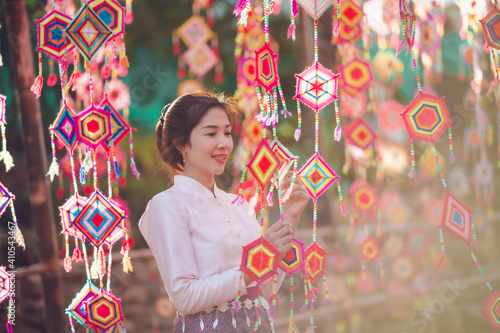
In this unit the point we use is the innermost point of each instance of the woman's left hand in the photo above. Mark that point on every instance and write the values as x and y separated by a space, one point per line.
298 198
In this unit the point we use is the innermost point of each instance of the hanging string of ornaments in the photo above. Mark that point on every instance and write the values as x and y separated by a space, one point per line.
96 32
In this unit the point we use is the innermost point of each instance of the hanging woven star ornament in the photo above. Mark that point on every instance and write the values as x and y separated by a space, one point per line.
5 198
315 261
93 126
200 59
491 309
369 249
426 118
360 134
364 197
408 25
388 117
103 310
63 126
111 13
491 27
194 32
427 38
69 211
316 87
51 37
356 74
263 164
98 218
293 261
5 283
88 32
402 268
119 127
259 260
76 309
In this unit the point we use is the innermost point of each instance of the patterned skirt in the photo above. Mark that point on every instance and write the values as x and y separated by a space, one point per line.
223 318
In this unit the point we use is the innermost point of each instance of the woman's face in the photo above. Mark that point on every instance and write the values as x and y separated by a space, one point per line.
209 146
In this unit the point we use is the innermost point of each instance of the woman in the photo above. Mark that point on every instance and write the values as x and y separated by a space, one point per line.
195 232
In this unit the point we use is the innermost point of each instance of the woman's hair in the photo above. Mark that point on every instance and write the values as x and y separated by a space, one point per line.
178 119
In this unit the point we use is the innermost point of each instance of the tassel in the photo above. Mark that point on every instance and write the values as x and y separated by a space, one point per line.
291 32
239 200
303 308
124 61
127 265
87 162
239 7
338 133
7 159
129 16
270 199
176 45
342 209
117 169
297 134
134 169
336 29
73 80
219 76
60 192
9 328
210 17
36 88
53 170
19 238
82 175
295 8
244 15
52 79
93 270
77 255
452 158
67 264
286 113
400 47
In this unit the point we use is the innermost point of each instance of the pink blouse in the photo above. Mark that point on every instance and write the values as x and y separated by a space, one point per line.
197 240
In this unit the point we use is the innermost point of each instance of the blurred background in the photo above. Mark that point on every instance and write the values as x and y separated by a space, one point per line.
393 287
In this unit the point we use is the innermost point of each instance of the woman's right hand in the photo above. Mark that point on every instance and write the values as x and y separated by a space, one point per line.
280 236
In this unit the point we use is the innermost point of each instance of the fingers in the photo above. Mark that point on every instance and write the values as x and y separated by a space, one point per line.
279 235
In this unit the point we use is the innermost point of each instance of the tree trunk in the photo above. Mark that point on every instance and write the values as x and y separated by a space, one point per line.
39 191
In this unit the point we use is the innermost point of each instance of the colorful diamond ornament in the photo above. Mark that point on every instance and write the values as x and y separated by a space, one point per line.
315 8
491 309
69 211
98 218
264 163
64 126
77 308
360 134
88 32
317 176
457 218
